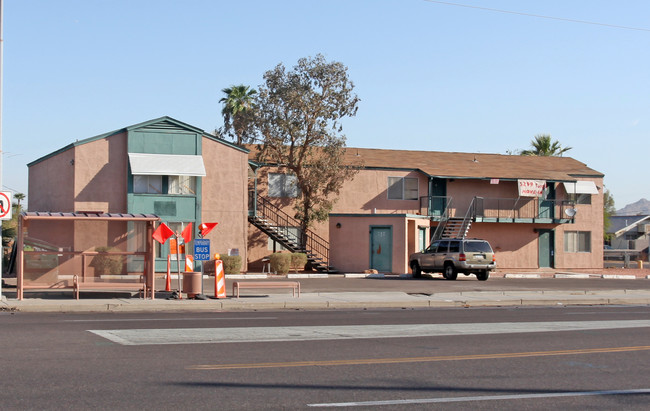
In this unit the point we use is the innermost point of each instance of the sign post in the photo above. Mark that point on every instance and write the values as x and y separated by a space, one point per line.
201 253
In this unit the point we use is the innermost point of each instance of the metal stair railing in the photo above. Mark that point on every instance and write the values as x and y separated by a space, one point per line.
278 225
440 229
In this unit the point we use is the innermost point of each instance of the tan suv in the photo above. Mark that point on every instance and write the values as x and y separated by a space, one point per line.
452 256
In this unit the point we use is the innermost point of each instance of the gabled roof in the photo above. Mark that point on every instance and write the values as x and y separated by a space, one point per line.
164 122
468 165
620 224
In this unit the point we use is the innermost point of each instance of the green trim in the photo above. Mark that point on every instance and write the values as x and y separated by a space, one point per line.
380 215
186 126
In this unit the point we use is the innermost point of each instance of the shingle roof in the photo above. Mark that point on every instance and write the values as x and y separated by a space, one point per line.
470 165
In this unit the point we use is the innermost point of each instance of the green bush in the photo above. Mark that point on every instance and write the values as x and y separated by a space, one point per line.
280 263
298 261
107 264
231 264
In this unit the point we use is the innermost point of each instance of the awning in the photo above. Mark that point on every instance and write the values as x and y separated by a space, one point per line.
166 165
581 187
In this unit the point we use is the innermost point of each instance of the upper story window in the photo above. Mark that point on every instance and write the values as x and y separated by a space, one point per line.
402 188
580 198
147 184
182 185
283 185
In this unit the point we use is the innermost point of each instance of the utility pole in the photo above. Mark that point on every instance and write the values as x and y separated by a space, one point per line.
2 254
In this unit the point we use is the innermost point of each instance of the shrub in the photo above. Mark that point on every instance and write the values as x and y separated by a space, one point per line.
231 264
280 262
107 264
298 261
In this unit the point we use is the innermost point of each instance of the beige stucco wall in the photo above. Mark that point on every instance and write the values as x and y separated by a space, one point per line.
225 198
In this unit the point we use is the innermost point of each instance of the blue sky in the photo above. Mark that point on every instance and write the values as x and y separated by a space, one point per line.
431 76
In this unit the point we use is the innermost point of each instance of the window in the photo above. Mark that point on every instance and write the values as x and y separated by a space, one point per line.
182 185
402 188
283 185
577 241
147 184
580 198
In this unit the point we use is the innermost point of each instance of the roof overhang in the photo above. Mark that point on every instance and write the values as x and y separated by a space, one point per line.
581 187
145 164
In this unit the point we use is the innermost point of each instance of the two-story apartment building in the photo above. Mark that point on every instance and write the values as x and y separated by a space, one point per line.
399 198
393 206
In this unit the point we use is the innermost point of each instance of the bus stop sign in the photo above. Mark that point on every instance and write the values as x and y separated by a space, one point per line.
201 249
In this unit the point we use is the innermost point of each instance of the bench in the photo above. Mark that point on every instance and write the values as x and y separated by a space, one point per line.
140 286
237 285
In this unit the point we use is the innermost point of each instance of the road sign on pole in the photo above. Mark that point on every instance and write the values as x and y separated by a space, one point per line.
5 205
201 249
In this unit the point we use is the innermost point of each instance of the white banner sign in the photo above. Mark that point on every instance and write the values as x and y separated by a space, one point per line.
531 188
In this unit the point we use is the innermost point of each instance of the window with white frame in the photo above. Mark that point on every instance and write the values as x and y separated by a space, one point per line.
402 188
577 241
147 184
182 185
283 185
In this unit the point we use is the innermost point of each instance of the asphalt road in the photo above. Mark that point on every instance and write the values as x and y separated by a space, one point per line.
479 358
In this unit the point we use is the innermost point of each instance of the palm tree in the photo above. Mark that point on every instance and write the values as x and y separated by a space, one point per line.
237 110
543 146
19 197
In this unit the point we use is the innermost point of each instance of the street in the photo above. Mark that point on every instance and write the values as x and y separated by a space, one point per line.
483 358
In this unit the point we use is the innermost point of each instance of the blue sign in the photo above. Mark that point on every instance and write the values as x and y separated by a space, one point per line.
201 249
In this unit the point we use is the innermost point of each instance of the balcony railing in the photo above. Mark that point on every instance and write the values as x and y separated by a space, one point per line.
506 210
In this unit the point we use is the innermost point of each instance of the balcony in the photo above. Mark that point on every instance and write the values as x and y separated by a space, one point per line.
501 210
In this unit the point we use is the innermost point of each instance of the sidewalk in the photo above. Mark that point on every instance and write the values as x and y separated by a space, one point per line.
262 300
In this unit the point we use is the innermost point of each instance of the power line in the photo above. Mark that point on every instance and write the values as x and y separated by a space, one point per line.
541 16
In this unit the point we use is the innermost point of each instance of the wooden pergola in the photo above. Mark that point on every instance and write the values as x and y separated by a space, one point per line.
80 277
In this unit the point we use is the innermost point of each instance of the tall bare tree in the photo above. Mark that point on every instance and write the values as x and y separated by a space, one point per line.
298 118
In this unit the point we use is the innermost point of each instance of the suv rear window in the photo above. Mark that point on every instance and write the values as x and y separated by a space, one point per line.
477 247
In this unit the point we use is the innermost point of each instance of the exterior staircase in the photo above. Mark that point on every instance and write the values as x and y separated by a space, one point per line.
282 228
455 227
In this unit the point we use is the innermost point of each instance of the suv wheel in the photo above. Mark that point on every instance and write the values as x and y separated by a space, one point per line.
450 272
483 275
417 272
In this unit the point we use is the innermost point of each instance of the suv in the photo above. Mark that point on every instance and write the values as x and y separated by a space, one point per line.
452 256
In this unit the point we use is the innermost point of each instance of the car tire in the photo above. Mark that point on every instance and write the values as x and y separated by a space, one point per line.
417 272
450 272
483 275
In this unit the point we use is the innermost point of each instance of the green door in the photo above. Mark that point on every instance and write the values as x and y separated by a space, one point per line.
546 204
546 248
438 200
381 248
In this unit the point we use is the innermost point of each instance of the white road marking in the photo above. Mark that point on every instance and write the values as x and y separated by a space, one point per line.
169 319
346 332
481 398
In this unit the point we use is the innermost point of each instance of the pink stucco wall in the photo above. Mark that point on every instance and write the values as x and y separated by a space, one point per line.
58 172
350 244
100 182
225 197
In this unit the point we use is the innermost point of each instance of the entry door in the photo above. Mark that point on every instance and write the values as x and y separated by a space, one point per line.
438 191
546 248
547 206
381 248
422 239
